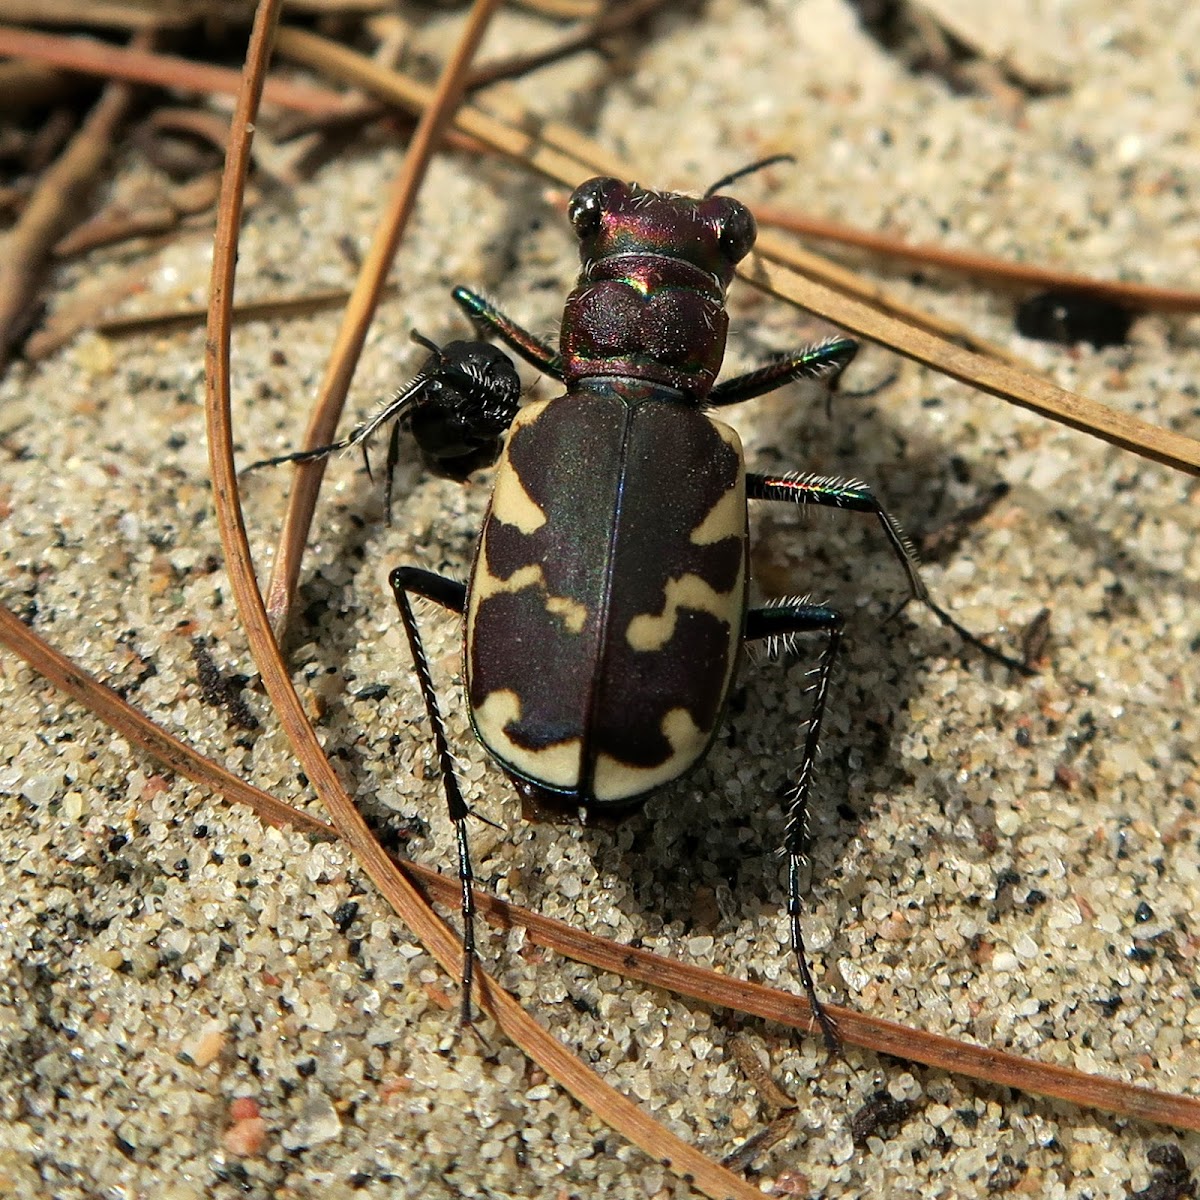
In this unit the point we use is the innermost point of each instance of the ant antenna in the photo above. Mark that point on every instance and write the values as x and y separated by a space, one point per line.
734 176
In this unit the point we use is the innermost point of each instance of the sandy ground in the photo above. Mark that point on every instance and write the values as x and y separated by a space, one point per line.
1012 862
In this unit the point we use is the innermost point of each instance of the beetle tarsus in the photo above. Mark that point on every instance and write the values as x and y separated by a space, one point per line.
975 641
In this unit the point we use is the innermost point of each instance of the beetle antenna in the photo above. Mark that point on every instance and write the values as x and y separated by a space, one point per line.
742 172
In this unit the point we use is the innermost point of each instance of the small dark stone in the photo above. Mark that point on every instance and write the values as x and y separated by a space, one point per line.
1070 317
1172 1180
881 1113
344 914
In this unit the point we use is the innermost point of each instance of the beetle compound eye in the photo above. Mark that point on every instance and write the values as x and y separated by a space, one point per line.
587 206
738 232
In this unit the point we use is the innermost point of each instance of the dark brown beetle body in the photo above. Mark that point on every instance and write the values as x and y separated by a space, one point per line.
606 603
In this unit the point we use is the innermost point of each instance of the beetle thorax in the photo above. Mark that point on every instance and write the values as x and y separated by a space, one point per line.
646 323
650 303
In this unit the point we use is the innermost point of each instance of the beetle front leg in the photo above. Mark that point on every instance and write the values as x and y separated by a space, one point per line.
825 361
855 496
491 322
450 594
783 621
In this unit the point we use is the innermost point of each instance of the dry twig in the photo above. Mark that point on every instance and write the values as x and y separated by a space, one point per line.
88 57
983 267
54 206
604 24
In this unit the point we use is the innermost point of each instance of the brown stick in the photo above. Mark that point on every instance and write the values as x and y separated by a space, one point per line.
88 57
605 23
111 13
55 205
983 266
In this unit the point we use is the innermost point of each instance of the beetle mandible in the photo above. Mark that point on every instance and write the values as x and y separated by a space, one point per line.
607 602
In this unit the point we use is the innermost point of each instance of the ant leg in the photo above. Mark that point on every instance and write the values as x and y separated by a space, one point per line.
824 361
856 496
491 322
451 594
393 460
413 392
783 621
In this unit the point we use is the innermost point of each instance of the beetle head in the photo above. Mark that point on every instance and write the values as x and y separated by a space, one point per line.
611 218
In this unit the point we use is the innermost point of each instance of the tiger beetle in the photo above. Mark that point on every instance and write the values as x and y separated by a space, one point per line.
608 602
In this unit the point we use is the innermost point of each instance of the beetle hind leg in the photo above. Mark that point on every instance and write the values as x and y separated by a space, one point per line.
855 496
781 622
450 594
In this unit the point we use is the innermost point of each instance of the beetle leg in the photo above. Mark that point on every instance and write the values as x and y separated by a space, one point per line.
491 322
826 361
856 496
451 594
782 621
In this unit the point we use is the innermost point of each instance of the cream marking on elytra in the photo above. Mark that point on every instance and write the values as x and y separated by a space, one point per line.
485 585
556 766
652 631
573 614
511 503
729 436
726 518
617 780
